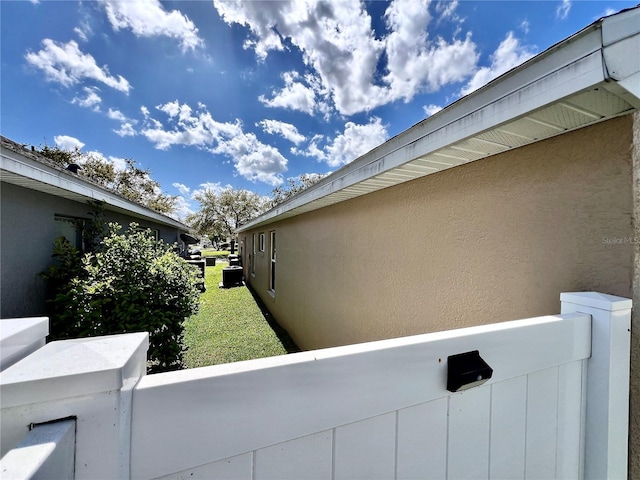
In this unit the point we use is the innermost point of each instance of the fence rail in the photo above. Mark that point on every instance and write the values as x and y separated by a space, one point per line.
556 405
365 408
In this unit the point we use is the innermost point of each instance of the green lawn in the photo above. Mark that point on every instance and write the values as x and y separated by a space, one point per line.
230 327
210 252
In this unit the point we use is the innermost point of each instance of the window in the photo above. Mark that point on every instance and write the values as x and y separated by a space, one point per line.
155 233
262 242
254 249
70 228
272 262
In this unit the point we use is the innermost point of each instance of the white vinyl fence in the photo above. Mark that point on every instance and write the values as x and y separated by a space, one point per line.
556 406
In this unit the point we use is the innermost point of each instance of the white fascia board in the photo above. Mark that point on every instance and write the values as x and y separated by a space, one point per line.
621 51
15 163
576 64
563 70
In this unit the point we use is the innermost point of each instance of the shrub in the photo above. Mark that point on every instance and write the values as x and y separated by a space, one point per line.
133 283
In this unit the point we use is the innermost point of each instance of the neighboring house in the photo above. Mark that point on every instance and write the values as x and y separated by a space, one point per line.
480 213
40 201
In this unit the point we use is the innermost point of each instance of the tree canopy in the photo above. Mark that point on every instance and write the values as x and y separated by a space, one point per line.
223 211
131 182
293 187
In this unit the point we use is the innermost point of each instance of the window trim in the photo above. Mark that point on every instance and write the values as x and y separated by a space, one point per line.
254 251
261 242
272 262
79 225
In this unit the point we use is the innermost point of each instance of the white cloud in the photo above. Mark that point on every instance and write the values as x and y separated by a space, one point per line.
147 18
562 11
416 63
126 130
67 143
341 51
286 130
182 209
91 99
66 64
294 95
252 159
447 8
182 188
335 38
81 33
116 115
508 55
126 124
431 109
354 141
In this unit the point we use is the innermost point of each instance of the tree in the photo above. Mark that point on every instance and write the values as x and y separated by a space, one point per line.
223 211
132 283
293 187
132 182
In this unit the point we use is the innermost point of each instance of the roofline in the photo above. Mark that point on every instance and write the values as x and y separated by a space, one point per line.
599 55
42 175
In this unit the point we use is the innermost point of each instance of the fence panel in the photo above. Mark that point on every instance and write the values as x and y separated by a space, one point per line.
508 428
362 403
422 441
468 445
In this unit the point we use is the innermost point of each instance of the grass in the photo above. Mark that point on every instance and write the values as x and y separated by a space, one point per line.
210 252
231 327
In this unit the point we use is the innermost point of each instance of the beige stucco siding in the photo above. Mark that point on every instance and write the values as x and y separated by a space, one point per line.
493 240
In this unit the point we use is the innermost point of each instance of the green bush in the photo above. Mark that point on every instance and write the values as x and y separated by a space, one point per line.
133 283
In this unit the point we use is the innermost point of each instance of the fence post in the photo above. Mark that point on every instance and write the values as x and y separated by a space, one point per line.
20 337
89 379
607 392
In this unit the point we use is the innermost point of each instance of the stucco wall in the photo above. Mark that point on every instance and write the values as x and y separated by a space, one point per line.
27 232
493 240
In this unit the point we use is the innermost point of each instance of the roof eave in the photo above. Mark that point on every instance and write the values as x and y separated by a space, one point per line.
597 56
20 169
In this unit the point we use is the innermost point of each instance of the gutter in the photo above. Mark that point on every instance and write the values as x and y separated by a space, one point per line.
621 54
604 54
26 170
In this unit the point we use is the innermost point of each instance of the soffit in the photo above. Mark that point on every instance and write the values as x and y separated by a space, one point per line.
571 113
587 78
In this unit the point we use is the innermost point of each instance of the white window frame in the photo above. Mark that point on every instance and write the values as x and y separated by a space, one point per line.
261 242
254 250
272 262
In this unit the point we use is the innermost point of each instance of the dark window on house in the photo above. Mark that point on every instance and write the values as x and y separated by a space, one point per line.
261 242
253 256
70 228
154 231
272 262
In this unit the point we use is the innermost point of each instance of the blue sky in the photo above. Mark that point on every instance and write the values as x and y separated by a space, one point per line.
213 93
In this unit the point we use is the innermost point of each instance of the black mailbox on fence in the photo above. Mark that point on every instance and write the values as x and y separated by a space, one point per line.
467 370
